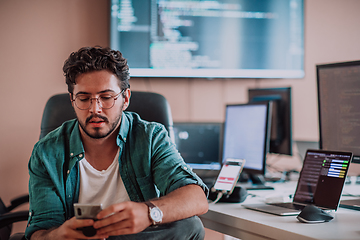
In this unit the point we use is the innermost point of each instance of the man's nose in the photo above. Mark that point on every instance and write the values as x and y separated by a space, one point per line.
95 105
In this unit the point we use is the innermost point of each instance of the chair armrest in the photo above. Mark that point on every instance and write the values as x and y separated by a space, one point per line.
18 201
9 218
17 236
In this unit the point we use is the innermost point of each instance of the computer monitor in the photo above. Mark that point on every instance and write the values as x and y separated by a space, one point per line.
199 145
339 107
281 121
246 136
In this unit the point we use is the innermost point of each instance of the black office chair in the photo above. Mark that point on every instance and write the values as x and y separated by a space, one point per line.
150 106
8 217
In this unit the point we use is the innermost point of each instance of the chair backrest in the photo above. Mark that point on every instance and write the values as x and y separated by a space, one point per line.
151 107
8 217
4 231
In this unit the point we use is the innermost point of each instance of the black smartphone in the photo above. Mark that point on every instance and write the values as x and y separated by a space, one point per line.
87 211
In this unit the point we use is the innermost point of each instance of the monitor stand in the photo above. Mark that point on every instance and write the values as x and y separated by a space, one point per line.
258 182
353 204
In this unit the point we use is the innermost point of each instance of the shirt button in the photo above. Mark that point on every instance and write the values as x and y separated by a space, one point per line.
29 213
68 171
80 155
185 168
71 154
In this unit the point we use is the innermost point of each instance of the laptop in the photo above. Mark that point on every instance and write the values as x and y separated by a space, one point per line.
353 204
320 183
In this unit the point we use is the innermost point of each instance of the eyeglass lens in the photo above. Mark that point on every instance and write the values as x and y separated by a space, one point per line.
105 101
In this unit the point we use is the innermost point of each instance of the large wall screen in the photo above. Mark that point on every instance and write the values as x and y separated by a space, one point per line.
211 39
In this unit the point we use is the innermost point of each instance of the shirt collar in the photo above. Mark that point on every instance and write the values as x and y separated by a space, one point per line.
76 146
124 129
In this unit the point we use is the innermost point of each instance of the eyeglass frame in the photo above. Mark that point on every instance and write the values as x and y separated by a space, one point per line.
98 101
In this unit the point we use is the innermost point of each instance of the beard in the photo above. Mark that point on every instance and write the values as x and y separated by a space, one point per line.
98 134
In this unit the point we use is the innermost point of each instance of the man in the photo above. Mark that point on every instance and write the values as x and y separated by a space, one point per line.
111 157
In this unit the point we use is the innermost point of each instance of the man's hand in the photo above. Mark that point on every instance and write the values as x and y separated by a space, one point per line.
68 230
123 218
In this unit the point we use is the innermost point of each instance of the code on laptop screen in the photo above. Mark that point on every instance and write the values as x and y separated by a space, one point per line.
322 178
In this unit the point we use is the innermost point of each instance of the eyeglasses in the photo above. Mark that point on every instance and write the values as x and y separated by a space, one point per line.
105 100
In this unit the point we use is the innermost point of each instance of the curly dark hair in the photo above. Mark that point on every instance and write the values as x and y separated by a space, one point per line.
88 59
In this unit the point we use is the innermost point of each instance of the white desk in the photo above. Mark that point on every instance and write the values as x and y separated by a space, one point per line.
235 220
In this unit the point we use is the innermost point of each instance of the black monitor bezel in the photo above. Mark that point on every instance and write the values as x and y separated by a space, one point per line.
285 94
356 157
266 139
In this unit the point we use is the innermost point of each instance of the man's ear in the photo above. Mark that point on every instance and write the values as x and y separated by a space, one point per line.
126 99
71 99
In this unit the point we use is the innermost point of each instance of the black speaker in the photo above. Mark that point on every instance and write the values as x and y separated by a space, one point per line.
237 196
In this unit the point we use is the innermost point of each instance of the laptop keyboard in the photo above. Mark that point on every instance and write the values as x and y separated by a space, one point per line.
289 205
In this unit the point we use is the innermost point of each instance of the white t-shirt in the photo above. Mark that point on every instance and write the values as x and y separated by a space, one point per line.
105 187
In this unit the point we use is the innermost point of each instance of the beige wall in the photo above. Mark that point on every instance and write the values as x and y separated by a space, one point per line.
37 36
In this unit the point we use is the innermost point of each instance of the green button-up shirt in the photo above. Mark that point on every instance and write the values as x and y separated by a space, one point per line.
149 164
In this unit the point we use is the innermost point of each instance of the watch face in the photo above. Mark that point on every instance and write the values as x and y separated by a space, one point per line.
156 214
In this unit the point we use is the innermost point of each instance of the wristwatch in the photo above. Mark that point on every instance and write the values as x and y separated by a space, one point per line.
155 214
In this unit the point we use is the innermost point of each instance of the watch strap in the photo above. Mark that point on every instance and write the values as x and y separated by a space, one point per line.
150 204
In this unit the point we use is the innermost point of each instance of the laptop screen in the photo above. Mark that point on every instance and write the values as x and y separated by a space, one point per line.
322 178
